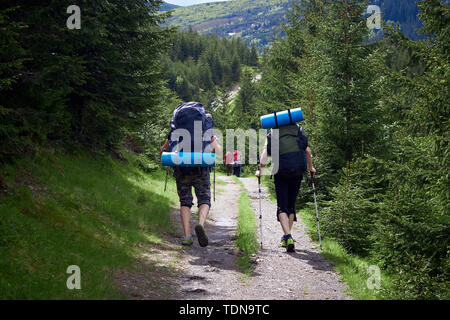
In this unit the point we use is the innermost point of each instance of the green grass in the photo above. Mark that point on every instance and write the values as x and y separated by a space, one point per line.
246 241
353 269
219 182
61 210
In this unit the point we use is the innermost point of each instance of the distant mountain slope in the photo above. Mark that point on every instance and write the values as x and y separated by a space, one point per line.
252 20
256 20
168 6
403 12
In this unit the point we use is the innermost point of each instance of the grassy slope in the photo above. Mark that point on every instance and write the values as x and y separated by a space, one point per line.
60 210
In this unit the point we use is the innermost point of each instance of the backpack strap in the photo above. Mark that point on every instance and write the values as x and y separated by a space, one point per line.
276 119
290 116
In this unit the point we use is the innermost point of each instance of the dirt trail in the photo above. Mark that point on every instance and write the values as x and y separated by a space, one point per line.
212 273
301 275
170 271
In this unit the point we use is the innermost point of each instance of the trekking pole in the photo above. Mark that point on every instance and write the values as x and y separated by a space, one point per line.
260 212
167 176
317 212
214 169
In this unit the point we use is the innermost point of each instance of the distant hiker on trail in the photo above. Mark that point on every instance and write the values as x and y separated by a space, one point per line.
184 117
294 156
237 164
228 162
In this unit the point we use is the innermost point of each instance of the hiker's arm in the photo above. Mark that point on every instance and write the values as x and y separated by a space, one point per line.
216 146
309 161
165 147
262 163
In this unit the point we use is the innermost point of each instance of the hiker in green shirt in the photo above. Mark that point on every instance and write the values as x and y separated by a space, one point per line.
294 158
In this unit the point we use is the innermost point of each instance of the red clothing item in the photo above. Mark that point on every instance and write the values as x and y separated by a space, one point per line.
236 155
228 158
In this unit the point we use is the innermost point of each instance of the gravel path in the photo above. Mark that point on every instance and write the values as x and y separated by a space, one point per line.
170 271
301 275
211 273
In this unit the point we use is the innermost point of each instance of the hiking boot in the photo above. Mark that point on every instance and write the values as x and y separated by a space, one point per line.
201 235
290 245
283 242
187 242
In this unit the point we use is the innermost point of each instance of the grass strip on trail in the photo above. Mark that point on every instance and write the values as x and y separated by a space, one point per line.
247 241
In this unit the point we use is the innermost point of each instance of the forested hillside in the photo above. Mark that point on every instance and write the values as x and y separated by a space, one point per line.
86 86
84 112
404 12
168 6
379 135
257 21
198 66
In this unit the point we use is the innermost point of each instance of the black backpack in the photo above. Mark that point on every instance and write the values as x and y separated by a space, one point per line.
184 117
293 143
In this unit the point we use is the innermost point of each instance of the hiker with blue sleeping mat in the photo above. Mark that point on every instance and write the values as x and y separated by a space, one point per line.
292 161
191 143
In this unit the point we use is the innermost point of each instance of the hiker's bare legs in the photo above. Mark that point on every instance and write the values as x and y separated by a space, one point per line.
285 223
185 213
203 212
291 222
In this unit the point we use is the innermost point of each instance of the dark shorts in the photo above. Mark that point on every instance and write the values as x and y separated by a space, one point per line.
202 187
287 189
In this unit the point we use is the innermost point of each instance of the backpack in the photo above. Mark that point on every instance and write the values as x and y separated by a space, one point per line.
293 143
184 117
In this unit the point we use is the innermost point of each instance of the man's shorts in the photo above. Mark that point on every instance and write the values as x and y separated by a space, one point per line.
202 187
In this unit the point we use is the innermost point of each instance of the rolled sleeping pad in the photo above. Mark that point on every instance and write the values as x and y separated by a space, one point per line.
188 159
283 118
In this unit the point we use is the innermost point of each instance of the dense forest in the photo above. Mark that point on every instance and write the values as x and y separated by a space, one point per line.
86 86
90 88
377 116
376 113
196 65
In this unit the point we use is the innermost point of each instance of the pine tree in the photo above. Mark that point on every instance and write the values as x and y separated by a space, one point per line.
348 95
87 85
413 225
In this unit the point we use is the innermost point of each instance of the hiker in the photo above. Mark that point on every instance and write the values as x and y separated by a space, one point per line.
228 162
294 157
237 164
184 117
